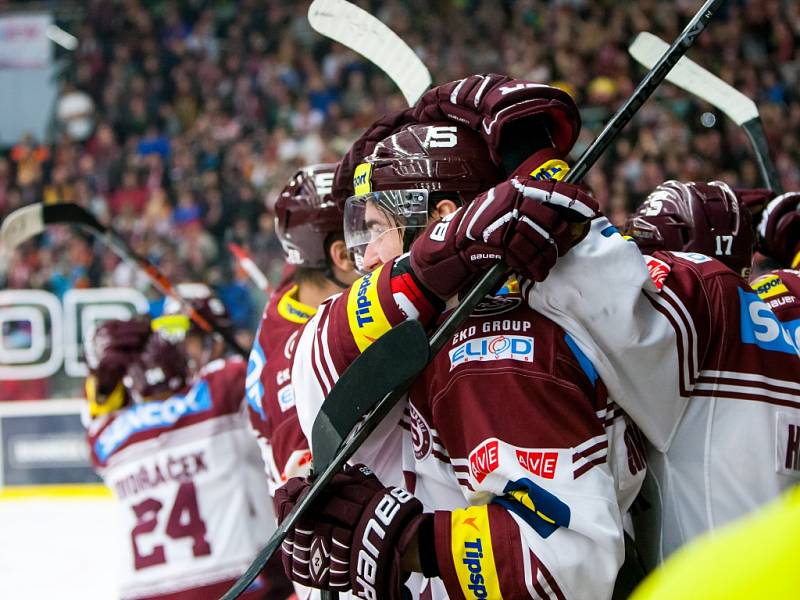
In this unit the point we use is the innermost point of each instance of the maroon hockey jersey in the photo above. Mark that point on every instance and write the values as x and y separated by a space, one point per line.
509 436
270 396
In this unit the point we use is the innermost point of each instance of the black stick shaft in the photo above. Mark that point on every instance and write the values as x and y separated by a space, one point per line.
758 139
494 276
491 280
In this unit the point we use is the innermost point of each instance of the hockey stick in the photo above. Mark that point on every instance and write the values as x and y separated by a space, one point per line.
248 265
693 78
489 281
357 29
360 31
327 444
31 220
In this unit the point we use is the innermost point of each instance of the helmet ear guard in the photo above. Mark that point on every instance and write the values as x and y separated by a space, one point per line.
305 214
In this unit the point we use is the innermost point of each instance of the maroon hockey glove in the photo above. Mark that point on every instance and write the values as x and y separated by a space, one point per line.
779 230
352 537
112 349
525 223
543 116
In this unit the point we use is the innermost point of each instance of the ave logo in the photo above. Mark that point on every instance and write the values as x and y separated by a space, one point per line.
487 456
658 271
540 463
484 459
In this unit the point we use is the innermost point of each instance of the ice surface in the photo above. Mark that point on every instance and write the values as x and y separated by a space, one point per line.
58 548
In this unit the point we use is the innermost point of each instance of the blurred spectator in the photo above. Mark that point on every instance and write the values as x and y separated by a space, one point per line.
75 112
177 120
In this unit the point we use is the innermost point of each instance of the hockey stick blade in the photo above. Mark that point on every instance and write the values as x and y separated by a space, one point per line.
360 31
688 75
30 220
364 383
696 80
490 280
21 225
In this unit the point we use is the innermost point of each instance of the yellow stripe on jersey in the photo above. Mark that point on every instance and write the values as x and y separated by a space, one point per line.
77 490
367 320
473 557
292 309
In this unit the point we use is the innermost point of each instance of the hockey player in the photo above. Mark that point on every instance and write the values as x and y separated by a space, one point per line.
309 225
779 230
183 467
705 218
518 467
201 346
687 349
779 239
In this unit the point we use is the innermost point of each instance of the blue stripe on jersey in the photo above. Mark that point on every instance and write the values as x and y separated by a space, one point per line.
583 360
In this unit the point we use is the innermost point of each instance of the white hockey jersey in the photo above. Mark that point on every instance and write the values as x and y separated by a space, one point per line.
509 436
702 366
193 500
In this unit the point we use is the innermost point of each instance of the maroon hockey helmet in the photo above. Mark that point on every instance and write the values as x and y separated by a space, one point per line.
204 301
779 230
305 214
408 171
161 368
708 218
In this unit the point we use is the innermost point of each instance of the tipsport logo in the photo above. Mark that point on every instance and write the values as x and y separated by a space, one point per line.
496 347
473 561
363 303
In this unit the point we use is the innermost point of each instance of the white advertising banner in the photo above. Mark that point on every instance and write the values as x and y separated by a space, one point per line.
23 41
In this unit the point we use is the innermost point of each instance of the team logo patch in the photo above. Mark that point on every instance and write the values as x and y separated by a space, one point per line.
420 435
769 286
658 270
496 347
288 349
496 305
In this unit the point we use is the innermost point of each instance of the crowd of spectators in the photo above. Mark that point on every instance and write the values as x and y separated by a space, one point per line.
179 119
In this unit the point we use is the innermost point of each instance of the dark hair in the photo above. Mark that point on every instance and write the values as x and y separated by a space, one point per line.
319 277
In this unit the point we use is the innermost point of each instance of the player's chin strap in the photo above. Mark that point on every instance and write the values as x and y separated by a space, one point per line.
331 276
